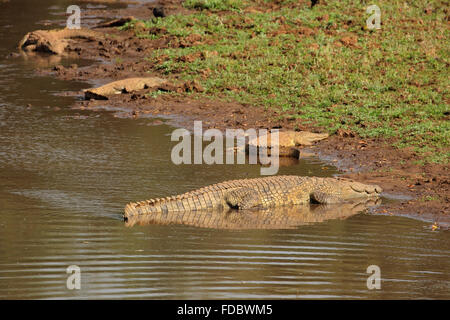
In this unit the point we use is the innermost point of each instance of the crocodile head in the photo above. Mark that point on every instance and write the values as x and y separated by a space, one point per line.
341 190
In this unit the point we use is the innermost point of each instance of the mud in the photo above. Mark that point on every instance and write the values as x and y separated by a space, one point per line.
423 190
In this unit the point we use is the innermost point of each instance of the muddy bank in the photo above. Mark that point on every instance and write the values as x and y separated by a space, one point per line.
122 55
422 191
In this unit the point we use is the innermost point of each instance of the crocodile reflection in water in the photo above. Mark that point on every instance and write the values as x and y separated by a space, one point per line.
258 193
287 217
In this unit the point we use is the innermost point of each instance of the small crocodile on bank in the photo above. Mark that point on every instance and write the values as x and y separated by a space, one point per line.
258 193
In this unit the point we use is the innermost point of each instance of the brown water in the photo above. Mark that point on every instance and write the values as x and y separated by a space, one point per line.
64 179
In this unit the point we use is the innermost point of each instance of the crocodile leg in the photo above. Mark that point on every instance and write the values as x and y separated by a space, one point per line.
324 198
243 198
295 196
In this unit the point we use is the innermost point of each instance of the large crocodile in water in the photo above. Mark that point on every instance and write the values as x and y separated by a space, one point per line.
259 193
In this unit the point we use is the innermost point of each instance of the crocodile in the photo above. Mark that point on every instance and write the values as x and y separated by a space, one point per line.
257 193
55 41
287 217
288 142
123 86
288 139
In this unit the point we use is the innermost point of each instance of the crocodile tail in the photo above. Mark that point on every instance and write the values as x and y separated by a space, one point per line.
130 211
133 209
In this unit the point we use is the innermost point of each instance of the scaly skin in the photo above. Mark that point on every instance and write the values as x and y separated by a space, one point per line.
289 139
257 193
125 85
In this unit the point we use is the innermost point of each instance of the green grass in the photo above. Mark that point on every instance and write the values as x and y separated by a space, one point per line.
214 5
429 198
392 83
